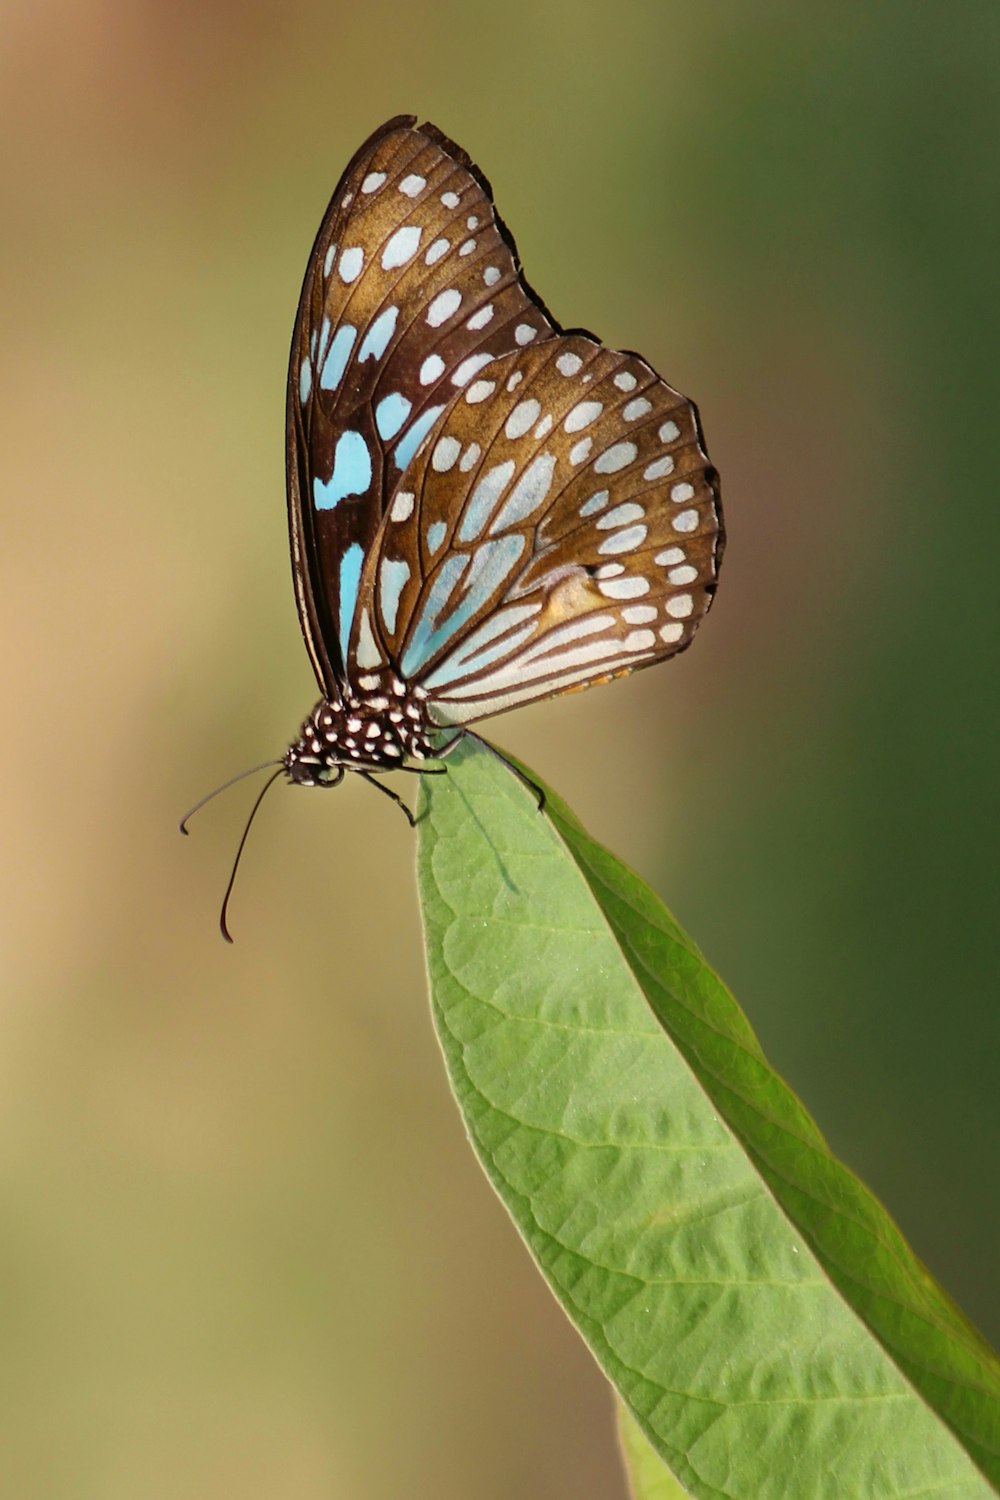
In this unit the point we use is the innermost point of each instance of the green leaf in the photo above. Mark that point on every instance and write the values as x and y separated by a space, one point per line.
649 1478
753 1304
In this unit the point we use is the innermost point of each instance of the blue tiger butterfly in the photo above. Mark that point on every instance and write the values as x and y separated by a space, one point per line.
484 509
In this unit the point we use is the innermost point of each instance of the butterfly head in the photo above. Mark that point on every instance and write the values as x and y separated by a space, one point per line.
304 768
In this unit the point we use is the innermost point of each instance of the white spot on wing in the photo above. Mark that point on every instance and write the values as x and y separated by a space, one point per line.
446 451
479 391
618 457
680 493
432 367
671 632
624 588
524 415
351 263
434 254
669 432
401 247
468 368
680 607
625 381
445 304
623 541
524 333
582 414
637 408
369 654
568 364
470 457
491 275
450 200
413 184
685 520
373 182
581 450
402 506
595 504
482 317
660 468
671 557
621 515
682 575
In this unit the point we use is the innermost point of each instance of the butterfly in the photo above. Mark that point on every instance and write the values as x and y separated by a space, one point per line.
484 509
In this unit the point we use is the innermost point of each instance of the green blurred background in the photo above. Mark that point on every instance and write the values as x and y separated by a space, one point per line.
244 1248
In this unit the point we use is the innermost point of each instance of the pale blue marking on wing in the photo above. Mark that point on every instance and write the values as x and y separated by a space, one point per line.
474 654
411 442
352 472
489 568
305 381
392 577
504 619
435 534
350 579
528 493
483 499
450 572
390 414
324 334
336 360
376 340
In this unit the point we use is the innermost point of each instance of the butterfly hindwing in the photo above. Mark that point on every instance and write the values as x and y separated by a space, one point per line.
412 289
559 526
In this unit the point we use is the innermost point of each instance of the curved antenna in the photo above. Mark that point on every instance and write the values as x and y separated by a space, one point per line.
224 788
236 862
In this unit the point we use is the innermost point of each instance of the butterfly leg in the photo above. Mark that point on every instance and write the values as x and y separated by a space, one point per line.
393 796
497 755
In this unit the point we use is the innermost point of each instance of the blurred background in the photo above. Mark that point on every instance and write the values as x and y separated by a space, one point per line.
244 1247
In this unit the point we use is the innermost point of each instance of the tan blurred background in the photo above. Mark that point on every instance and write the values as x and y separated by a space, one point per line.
244 1248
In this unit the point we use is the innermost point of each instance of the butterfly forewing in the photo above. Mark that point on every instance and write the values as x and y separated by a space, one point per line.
412 290
559 526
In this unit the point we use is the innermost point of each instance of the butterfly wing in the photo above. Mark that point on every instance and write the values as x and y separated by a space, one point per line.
412 288
560 527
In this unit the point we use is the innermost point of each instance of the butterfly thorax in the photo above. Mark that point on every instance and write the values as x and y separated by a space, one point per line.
377 730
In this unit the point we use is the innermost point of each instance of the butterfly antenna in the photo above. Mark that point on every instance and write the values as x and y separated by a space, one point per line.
236 862
224 788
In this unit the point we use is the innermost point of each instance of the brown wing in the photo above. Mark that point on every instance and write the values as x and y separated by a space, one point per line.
562 526
413 287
